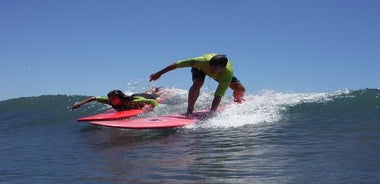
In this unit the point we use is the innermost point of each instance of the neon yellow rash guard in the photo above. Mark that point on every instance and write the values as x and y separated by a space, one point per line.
137 102
202 62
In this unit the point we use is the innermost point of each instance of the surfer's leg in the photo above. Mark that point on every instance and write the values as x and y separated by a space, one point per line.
238 90
198 80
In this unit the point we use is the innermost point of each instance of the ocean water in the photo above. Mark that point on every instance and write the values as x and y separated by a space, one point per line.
271 138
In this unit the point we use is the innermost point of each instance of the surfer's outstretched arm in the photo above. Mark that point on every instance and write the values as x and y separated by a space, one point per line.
78 104
158 74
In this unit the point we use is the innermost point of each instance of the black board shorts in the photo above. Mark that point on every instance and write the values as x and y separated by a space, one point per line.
198 73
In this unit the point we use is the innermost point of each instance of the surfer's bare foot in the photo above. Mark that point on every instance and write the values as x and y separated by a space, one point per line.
189 114
190 110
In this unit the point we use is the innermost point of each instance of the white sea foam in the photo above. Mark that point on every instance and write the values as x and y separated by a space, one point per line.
267 107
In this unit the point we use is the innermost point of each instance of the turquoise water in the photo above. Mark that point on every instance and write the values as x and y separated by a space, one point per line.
271 138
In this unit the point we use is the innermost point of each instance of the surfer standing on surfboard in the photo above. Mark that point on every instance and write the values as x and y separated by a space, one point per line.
120 101
216 66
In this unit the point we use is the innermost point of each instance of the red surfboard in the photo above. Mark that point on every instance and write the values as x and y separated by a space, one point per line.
168 121
112 115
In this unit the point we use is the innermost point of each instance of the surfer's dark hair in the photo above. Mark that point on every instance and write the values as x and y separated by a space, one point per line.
116 93
219 60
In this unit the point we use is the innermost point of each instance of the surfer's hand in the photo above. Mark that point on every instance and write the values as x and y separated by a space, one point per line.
76 105
238 98
154 76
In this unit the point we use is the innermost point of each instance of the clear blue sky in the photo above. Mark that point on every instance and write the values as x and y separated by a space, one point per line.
89 47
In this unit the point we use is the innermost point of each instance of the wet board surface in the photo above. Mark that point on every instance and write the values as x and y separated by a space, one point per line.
167 121
112 115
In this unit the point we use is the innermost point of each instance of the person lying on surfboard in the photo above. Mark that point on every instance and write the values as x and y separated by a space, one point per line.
216 66
120 101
